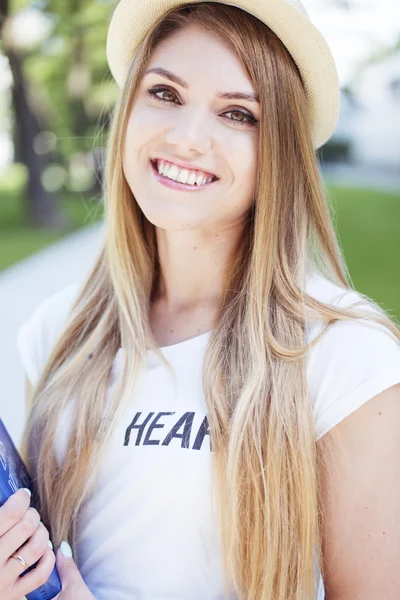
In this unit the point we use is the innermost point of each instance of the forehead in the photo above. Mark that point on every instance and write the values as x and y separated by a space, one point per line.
198 55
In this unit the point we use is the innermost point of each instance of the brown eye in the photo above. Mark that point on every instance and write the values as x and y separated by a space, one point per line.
161 90
166 92
244 117
237 112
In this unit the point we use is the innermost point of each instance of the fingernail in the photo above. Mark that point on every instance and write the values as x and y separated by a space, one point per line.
50 544
66 549
28 491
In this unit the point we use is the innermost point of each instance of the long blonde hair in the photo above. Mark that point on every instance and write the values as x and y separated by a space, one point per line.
265 460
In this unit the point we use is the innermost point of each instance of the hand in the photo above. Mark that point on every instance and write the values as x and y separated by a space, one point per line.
73 586
21 530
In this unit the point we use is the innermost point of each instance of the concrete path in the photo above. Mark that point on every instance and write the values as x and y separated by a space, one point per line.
22 288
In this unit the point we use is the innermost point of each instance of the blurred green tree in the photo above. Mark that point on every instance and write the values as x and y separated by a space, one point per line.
70 67
28 123
64 75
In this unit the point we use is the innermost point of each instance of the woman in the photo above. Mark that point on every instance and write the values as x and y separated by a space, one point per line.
251 469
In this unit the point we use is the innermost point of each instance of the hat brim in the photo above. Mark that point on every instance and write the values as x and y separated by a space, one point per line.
132 20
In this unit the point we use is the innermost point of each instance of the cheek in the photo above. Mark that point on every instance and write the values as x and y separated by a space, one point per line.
138 135
145 122
243 160
145 125
142 126
130 148
134 135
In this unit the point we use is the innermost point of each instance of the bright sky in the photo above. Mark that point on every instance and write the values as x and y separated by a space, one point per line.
353 35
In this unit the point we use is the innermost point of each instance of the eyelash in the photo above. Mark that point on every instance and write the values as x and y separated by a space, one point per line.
251 120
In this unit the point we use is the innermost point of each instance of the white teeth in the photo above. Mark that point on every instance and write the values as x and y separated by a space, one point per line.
163 167
181 175
191 178
173 172
200 179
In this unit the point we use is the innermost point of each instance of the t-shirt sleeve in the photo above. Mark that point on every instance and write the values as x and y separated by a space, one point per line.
38 335
353 362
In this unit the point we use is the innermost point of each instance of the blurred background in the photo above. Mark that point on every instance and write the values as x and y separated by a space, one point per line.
56 97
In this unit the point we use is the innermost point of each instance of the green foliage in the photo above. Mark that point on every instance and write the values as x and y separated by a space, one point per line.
17 6
368 226
18 241
67 72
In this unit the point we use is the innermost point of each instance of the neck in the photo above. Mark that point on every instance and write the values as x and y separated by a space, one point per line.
192 268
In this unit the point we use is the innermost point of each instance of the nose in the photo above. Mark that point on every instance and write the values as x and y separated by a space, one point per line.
190 135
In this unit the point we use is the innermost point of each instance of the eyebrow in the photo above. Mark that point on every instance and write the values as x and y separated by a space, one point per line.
182 83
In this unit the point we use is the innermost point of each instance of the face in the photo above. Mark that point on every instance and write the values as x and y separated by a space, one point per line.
184 120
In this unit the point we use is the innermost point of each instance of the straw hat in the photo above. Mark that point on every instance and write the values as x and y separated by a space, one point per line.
289 20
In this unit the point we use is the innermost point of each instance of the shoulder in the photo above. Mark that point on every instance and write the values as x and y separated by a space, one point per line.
352 362
324 290
37 336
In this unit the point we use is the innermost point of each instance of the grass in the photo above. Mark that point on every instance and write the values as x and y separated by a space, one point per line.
367 223
368 227
18 240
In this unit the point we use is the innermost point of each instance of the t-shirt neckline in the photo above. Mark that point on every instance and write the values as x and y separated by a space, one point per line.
173 350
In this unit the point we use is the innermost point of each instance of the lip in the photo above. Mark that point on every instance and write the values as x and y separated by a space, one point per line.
185 165
175 185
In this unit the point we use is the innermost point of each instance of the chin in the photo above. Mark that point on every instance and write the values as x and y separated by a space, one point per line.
171 215
165 219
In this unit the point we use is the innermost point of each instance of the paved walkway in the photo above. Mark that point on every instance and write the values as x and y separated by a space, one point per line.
22 288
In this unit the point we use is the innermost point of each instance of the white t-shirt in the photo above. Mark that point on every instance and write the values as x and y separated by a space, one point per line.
149 532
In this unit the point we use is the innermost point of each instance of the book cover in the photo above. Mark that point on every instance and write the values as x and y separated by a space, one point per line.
14 475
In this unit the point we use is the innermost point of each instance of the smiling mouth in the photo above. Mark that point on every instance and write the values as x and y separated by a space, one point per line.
193 185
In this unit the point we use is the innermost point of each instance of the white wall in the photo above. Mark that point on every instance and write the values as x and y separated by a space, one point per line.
375 126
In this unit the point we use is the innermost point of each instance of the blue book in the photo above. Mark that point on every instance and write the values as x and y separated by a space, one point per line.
14 475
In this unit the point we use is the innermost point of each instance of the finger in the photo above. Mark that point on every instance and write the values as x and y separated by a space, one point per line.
13 510
31 552
19 534
35 578
67 568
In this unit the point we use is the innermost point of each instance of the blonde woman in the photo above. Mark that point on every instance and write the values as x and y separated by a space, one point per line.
215 412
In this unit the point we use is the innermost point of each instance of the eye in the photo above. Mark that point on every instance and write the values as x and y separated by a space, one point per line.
246 118
160 90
